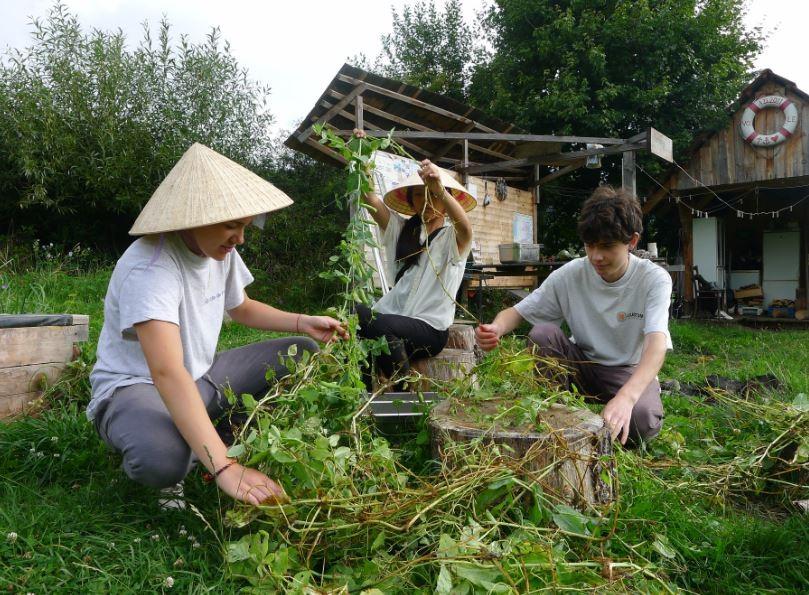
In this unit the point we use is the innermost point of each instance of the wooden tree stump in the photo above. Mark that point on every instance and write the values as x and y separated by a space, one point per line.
461 336
447 365
573 443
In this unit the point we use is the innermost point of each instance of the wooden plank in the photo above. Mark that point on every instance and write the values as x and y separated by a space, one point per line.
12 405
628 178
660 145
560 172
553 159
29 378
405 98
404 122
336 108
35 344
501 136
448 146
721 157
358 119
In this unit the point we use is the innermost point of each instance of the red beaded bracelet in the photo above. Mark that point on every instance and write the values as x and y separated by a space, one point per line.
209 477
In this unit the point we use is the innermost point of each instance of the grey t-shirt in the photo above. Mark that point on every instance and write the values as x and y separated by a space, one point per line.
159 278
608 320
426 290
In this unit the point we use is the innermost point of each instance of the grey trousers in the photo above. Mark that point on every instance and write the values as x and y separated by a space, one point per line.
136 422
601 383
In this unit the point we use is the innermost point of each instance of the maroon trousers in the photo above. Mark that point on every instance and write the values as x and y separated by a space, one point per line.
601 383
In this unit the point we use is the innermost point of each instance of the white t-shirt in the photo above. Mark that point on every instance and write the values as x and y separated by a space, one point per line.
608 320
427 290
159 278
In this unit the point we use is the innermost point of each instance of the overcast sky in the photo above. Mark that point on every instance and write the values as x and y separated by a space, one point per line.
297 46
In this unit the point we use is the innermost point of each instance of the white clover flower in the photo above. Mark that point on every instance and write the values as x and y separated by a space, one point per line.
155 537
32 450
183 531
136 540
56 455
168 583
195 545
111 545
54 438
11 537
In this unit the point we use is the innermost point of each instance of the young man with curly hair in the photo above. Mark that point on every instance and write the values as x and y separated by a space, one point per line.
616 306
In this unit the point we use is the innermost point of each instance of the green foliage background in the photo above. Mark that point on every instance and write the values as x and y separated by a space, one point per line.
583 67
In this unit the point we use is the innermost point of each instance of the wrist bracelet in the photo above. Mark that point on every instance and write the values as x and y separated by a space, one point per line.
209 477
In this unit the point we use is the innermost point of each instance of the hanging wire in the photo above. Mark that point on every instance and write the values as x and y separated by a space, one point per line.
741 213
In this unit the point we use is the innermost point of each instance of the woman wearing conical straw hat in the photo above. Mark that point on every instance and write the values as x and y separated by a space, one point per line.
158 381
426 255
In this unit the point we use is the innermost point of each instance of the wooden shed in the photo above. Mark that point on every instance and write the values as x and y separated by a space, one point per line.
742 198
481 150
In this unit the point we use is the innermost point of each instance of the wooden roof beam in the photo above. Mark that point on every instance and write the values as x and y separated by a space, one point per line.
554 158
560 172
501 136
409 124
405 98
336 108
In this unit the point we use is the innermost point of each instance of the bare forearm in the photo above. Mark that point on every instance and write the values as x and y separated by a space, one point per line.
182 399
652 358
379 212
258 315
460 220
507 320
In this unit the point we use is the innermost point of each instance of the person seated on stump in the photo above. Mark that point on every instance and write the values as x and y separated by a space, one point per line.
158 381
616 306
426 257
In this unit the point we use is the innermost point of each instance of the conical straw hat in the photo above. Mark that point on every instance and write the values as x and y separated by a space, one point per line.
204 188
396 199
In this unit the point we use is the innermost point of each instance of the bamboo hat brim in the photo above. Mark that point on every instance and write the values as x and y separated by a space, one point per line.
204 188
396 199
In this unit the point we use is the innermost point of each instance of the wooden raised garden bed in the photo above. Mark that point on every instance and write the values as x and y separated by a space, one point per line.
34 350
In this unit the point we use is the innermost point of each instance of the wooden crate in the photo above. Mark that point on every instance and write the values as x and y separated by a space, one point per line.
34 351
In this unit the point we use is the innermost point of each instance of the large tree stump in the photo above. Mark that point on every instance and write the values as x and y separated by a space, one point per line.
573 443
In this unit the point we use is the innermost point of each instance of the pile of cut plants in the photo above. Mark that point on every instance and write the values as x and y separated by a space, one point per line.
368 514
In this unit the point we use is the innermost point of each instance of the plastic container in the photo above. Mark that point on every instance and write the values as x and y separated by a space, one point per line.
515 253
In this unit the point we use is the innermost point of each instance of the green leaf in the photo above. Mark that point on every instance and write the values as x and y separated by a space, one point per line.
570 520
238 550
236 450
801 402
282 456
443 584
663 547
249 402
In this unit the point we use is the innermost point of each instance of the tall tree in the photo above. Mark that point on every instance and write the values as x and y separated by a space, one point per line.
614 67
430 48
89 128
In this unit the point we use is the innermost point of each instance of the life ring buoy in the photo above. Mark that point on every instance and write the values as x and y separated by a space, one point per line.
749 133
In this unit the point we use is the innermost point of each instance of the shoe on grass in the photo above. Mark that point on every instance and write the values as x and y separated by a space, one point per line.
172 497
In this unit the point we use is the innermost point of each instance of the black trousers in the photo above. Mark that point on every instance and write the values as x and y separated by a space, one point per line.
408 339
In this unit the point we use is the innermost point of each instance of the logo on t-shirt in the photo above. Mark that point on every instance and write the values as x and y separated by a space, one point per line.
629 315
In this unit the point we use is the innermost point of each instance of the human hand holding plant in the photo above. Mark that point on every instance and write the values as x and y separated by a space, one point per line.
431 175
322 328
617 415
250 486
488 335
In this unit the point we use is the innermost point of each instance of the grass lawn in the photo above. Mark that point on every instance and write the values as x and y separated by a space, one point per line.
71 521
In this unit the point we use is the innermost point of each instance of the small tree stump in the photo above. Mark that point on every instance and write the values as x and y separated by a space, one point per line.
461 336
573 442
447 365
